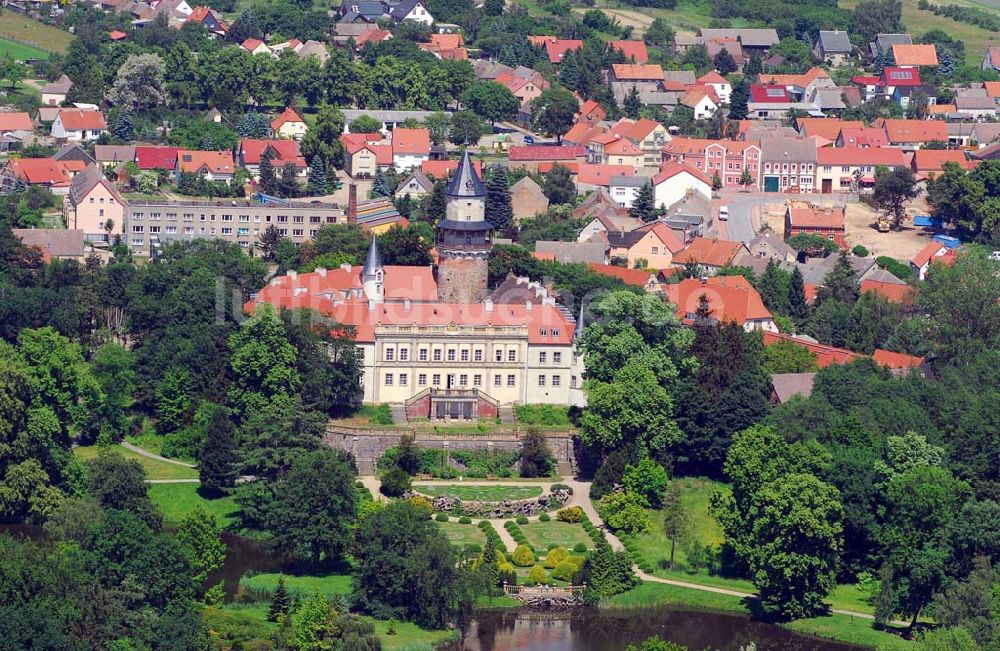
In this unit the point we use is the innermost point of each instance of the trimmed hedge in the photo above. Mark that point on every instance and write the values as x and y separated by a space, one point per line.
570 514
564 571
465 520
538 575
555 556
523 556
580 548
545 517
441 517
522 519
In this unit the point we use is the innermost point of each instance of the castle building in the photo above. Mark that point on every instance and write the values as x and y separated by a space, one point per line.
440 345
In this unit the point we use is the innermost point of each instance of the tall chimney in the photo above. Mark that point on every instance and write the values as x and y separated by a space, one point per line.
352 203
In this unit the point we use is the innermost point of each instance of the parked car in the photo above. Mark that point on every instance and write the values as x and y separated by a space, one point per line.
723 213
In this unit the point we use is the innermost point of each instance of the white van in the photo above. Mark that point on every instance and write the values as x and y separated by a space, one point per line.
723 213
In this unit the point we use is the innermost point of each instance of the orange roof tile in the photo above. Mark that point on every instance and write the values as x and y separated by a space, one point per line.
637 72
730 298
556 48
825 355
635 130
888 156
896 360
914 55
902 131
592 174
411 141
930 251
15 121
893 292
634 277
802 80
828 128
214 162
288 115
621 147
992 88
632 50
442 169
933 160
712 77
708 251
74 119
43 171
817 216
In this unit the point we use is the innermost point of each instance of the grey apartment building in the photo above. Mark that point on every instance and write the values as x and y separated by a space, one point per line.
151 224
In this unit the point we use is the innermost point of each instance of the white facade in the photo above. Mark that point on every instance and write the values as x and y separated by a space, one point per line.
60 132
419 14
704 108
671 190
407 162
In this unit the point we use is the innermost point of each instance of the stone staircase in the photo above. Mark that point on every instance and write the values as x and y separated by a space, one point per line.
398 410
506 413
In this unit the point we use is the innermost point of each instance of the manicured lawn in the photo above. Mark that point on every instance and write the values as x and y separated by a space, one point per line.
463 534
177 500
26 30
479 493
20 52
154 469
410 636
837 627
301 585
564 534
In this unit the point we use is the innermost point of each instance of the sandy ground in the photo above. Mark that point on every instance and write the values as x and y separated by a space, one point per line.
901 245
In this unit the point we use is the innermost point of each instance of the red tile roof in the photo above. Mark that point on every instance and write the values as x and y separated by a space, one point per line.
592 108
864 137
914 55
855 156
117 35
545 152
556 48
665 234
151 158
592 174
708 251
411 141
901 76
637 72
634 277
933 160
800 81
288 115
41 171
893 360
712 77
730 298
442 169
632 50
866 80
285 151
825 355
671 169
74 119
892 292
635 130
15 121
761 94
251 44
914 131
214 162
930 251
372 36
816 217
828 128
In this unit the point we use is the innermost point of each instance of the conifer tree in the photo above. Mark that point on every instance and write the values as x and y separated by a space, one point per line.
317 177
739 99
380 188
840 284
281 602
489 570
266 174
724 62
632 104
499 211
124 128
797 307
644 204
435 202
217 460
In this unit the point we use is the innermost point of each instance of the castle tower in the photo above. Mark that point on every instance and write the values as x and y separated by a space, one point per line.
373 274
463 238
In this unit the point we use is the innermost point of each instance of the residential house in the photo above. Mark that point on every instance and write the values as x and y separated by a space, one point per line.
676 181
770 102
74 153
991 60
883 43
583 132
450 47
416 184
114 155
907 55
213 165
702 101
764 248
648 135
789 165
624 189
723 89
725 158
591 176
530 156
650 246
527 199
289 125
709 254
46 172
389 119
933 252
730 299
54 243
731 45
411 10
78 125
590 112
368 11
365 154
250 154
210 19
689 217
826 128
752 40
642 77
800 87
850 169
613 149
556 48
634 51
785 386
156 158
894 77
927 163
572 252
976 107
11 121
256 46
869 86
824 221
371 36
410 148
910 135
833 47
93 204
635 277
54 93
313 48
900 294
524 88
861 137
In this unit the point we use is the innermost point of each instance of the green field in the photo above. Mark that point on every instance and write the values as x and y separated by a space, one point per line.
24 30
479 493
20 52
177 500
154 468
542 534
300 585
838 627
463 534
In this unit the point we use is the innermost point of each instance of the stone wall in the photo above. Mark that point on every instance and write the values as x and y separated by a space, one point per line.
462 280
368 445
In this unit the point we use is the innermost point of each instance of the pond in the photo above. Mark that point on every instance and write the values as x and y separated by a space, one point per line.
614 630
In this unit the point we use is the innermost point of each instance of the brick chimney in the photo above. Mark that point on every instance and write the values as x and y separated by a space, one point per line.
352 203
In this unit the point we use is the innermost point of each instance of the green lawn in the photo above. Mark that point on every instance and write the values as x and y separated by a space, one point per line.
301 585
410 636
838 627
154 469
479 493
542 534
463 534
20 52
177 500
28 31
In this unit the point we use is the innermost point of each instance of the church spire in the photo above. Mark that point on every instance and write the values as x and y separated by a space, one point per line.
373 274
466 182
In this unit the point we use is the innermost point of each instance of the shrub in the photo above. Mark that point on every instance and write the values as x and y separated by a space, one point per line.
860 251
895 267
538 575
381 415
555 556
580 548
523 556
564 571
564 487
465 520
550 415
545 517
577 560
422 504
507 573
551 546
441 517
473 549
570 514
623 511
521 519
395 482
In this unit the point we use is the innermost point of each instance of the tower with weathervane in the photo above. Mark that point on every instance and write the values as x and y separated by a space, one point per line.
463 238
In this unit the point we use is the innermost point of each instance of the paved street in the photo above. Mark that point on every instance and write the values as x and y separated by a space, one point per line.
745 208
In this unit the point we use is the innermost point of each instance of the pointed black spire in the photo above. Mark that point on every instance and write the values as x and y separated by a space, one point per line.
374 260
466 182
